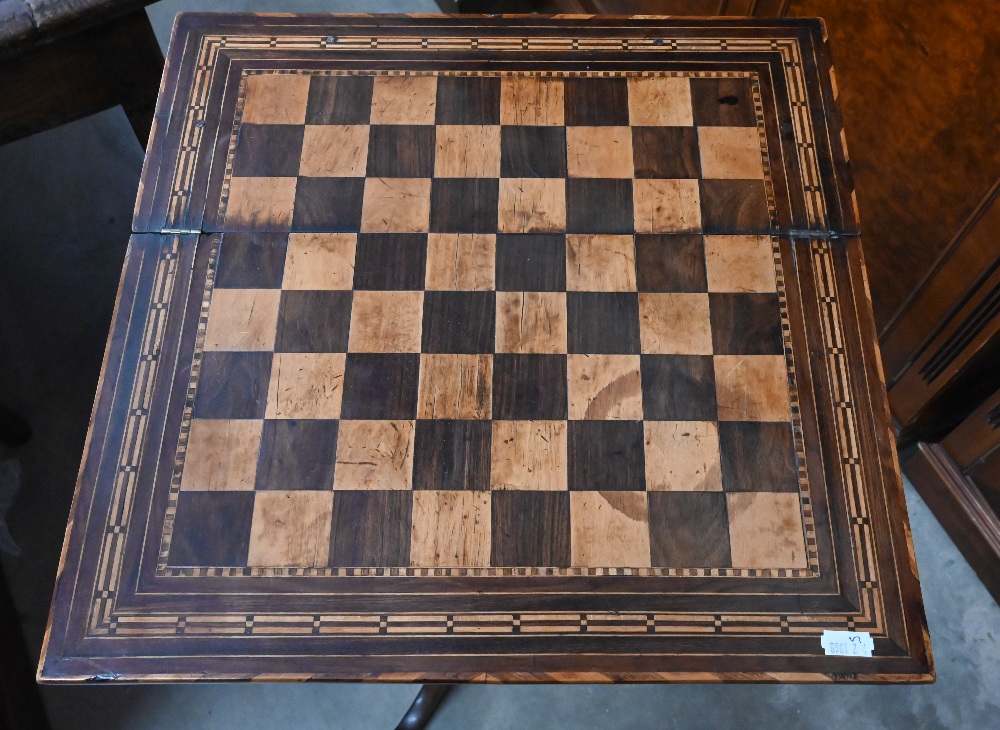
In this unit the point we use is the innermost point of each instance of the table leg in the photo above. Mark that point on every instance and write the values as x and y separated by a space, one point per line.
422 709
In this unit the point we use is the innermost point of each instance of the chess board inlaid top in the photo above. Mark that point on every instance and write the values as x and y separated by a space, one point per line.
426 334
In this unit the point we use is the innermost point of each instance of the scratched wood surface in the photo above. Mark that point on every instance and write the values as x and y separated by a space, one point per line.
513 365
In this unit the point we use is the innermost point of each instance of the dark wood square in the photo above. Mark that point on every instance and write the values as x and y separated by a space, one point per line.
464 205
251 261
603 323
599 206
596 102
452 454
233 385
746 324
757 457
530 528
380 386
532 151
722 103
459 322
390 261
212 528
313 321
331 204
666 152
678 388
339 100
371 528
297 454
733 206
670 263
401 150
531 262
689 529
468 100
268 150
606 456
529 387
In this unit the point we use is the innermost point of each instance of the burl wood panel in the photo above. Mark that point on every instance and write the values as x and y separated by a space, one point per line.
479 371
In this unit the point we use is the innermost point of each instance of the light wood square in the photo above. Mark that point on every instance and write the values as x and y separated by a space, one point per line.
404 100
221 455
529 455
609 529
600 263
261 202
659 102
455 386
675 324
334 150
374 455
386 321
242 319
450 529
599 152
461 261
730 153
604 387
666 206
532 205
531 322
396 205
739 264
320 261
531 100
291 529
765 530
276 99
467 151
682 456
306 385
752 388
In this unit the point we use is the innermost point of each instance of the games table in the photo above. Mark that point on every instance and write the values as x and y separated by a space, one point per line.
491 349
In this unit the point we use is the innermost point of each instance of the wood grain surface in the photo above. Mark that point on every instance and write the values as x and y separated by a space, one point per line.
535 363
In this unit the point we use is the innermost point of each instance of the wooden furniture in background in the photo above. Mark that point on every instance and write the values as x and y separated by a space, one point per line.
349 427
946 398
62 60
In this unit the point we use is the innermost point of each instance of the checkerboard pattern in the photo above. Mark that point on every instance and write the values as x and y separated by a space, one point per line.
482 154
511 345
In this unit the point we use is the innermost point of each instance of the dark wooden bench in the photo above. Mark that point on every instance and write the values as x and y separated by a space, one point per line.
65 59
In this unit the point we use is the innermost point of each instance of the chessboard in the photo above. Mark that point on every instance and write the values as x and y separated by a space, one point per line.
511 346
491 349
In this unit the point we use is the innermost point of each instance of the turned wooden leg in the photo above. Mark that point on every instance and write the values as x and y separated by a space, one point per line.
422 709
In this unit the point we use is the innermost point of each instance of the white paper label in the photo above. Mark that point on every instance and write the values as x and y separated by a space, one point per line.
847 643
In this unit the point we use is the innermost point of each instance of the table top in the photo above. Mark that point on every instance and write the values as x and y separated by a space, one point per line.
491 349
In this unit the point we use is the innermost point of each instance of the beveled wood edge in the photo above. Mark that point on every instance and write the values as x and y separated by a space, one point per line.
525 678
82 502
917 634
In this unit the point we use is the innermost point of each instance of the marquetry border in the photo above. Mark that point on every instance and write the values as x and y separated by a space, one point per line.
194 117
105 620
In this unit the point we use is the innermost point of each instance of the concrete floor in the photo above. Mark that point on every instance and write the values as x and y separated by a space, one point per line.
65 206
